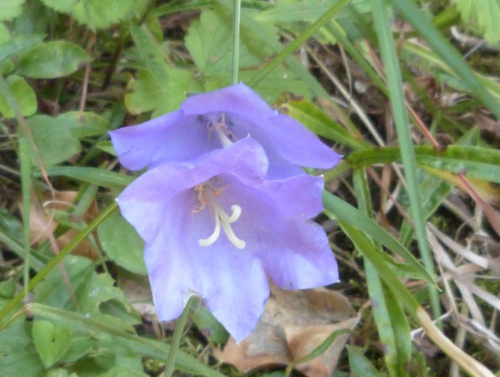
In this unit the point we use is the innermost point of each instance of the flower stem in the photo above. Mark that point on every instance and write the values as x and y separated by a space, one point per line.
236 41
176 339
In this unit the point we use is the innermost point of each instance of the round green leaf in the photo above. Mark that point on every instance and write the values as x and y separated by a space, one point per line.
23 94
54 140
122 244
11 9
51 342
4 34
84 124
96 14
52 59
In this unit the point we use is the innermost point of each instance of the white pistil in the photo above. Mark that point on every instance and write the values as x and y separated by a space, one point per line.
225 141
223 132
224 221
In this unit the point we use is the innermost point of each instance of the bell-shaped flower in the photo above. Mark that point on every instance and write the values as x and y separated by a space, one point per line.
212 120
218 228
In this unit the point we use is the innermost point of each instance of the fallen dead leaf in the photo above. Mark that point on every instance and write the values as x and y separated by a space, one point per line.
293 324
42 222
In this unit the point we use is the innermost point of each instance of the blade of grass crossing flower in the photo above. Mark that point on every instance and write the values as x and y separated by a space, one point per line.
450 55
392 325
236 41
26 171
297 42
58 258
395 85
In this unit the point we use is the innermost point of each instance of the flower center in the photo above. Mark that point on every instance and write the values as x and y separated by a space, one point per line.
222 130
207 195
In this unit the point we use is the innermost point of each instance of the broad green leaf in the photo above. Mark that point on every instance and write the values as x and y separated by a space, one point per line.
10 9
23 94
51 341
307 11
209 43
101 299
18 44
149 50
52 59
81 344
122 244
54 141
124 370
59 372
148 94
60 5
4 34
95 293
84 124
96 14
278 83
53 290
17 352
484 14
11 227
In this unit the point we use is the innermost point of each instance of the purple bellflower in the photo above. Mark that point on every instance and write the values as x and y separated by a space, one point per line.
216 225
234 113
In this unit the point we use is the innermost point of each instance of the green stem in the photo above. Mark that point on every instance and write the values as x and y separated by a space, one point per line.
58 258
26 171
408 156
176 339
236 41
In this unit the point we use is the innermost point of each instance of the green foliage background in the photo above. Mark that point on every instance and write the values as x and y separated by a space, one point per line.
72 70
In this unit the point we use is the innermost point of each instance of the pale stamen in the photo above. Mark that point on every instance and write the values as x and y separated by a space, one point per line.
222 219
225 141
214 236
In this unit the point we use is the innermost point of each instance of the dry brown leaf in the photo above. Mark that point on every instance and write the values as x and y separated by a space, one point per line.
41 223
303 340
293 324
